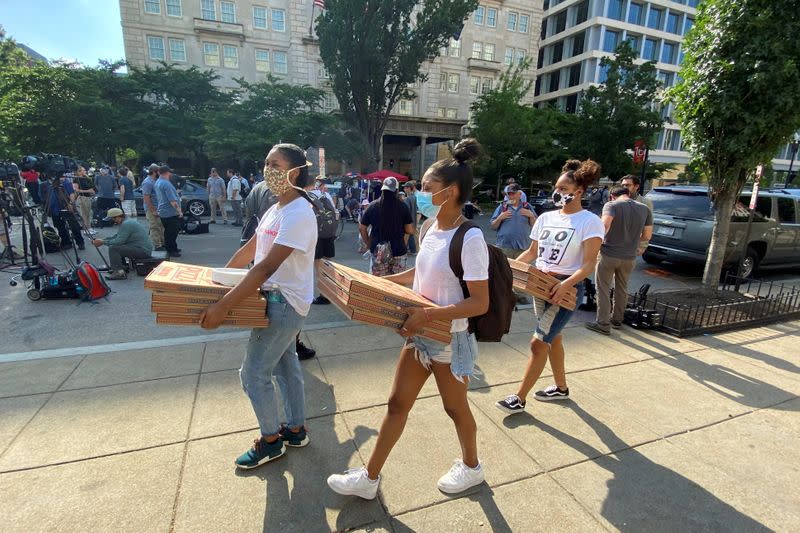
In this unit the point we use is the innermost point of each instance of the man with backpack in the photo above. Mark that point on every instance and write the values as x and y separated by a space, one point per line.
513 220
327 222
235 196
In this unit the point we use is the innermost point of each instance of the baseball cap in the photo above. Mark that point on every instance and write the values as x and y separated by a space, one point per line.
364 202
512 187
152 167
164 168
389 184
114 212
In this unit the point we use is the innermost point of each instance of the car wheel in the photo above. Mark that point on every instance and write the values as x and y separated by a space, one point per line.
197 208
651 259
34 294
750 263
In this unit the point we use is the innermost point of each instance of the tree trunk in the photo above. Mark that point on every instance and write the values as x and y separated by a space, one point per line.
723 208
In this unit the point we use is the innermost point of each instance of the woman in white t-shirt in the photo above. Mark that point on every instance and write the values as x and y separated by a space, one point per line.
282 250
565 243
446 186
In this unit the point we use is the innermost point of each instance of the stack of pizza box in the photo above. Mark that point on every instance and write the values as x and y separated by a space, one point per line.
530 280
181 292
374 300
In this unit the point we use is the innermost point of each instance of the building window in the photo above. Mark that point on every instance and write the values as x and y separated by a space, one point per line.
649 51
479 15
442 81
572 104
156 46
520 55
555 80
174 8
455 48
615 9
452 83
452 113
688 25
654 20
538 87
280 60
230 55
558 52
635 43
524 22
635 13
512 21
575 75
405 107
578 43
668 53
491 17
211 54
177 50
477 50
262 60
208 10
509 57
260 18
278 20
152 6
487 85
329 103
673 23
603 73
561 22
611 40
228 12
474 85
581 12
488 52
440 112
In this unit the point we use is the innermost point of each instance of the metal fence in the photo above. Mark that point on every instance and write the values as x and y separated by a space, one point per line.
738 304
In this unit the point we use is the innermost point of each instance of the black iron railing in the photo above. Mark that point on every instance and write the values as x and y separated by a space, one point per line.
738 303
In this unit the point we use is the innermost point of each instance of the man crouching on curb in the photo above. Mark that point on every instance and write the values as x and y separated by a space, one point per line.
131 241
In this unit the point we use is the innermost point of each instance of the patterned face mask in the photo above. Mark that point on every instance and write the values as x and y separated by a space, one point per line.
560 200
278 180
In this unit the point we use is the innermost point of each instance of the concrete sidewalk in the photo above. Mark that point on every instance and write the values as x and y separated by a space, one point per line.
662 434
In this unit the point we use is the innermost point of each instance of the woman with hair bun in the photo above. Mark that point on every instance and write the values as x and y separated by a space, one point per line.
446 186
565 243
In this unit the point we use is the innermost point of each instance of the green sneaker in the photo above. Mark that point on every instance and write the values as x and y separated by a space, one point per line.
294 440
261 452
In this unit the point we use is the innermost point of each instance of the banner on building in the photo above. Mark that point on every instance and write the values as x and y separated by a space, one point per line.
639 151
322 161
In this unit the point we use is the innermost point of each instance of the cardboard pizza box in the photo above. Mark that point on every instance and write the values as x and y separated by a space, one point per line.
532 281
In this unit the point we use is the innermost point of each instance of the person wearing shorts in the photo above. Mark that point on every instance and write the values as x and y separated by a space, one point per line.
445 187
565 244
385 228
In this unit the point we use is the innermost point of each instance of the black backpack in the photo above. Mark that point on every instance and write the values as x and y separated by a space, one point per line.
326 216
496 322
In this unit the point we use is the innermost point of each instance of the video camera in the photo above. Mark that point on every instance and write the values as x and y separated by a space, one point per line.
50 165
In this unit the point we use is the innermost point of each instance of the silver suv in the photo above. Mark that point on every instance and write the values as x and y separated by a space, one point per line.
683 219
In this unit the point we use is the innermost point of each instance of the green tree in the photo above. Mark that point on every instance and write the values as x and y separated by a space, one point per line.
616 113
737 101
374 49
519 140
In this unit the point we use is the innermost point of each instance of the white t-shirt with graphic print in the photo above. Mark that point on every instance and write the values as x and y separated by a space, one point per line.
293 225
434 279
560 239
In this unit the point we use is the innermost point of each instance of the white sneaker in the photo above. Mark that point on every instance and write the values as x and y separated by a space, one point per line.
354 482
460 478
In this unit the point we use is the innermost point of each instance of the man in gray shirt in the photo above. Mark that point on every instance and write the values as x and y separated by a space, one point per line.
105 185
216 196
627 223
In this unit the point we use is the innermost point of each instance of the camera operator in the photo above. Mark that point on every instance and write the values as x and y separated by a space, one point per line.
131 241
59 195
31 178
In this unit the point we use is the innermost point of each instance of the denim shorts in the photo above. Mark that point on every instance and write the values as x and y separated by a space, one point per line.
460 354
553 318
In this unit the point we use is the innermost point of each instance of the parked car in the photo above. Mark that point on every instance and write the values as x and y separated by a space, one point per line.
683 219
194 199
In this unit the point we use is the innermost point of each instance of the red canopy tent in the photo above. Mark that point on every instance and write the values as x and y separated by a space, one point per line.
381 175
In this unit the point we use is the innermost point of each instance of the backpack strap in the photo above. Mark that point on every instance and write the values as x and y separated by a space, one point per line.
423 230
456 246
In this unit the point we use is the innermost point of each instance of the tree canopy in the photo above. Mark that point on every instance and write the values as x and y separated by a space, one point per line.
374 49
738 99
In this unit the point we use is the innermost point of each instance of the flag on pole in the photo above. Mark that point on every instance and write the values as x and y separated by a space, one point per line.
320 3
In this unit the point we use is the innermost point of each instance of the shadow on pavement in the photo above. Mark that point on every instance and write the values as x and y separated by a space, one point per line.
643 495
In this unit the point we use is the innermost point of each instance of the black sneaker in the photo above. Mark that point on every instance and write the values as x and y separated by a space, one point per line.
552 393
616 325
294 440
511 404
304 352
321 300
594 326
261 452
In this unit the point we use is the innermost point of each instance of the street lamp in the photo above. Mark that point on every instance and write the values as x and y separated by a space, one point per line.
793 146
